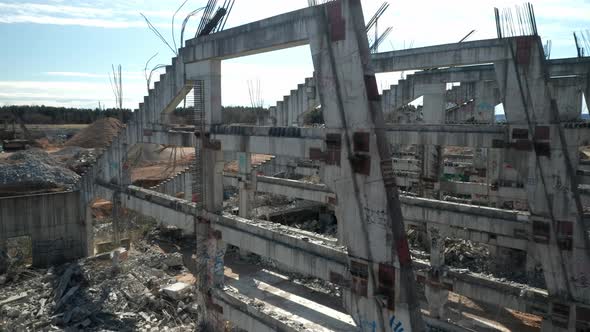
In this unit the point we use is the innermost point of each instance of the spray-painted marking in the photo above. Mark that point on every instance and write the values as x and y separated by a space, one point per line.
377 217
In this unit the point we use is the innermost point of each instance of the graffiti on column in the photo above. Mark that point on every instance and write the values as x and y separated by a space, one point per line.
394 324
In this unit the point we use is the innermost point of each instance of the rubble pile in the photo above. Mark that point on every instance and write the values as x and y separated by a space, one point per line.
324 227
467 255
81 161
143 289
35 170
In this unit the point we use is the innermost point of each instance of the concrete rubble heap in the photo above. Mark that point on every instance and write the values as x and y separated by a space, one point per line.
36 169
139 292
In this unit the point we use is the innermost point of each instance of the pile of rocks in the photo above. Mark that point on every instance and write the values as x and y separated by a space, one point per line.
33 170
75 158
143 289
467 255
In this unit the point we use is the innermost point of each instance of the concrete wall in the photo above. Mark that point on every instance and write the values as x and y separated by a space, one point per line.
55 223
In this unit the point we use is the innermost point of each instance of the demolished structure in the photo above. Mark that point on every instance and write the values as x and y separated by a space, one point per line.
535 206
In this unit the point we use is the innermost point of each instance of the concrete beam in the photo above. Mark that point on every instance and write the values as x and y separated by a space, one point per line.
569 66
509 229
481 136
281 141
314 257
282 244
487 290
271 34
166 209
492 226
447 55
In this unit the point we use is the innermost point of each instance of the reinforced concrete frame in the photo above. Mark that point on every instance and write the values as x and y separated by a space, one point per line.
375 268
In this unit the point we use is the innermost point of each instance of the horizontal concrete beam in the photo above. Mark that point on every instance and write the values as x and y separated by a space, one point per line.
282 244
447 55
274 33
481 136
569 66
454 74
493 226
487 290
304 255
278 141
166 209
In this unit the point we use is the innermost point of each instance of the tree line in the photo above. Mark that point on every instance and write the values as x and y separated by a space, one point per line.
62 115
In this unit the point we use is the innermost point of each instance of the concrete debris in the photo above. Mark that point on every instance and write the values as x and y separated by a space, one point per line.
75 158
177 291
35 170
141 294
81 161
466 254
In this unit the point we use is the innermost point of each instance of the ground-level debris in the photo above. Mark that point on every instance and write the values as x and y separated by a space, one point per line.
141 293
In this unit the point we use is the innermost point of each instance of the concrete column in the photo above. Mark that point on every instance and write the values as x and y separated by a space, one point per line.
434 102
246 191
381 276
386 102
557 227
210 73
286 111
3 253
292 108
301 103
436 295
280 115
568 97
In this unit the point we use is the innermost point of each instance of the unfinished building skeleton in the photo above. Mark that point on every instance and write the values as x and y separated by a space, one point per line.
360 167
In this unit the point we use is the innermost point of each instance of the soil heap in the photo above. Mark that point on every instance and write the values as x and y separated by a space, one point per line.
98 135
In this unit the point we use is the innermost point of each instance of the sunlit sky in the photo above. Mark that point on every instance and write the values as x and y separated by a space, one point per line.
60 52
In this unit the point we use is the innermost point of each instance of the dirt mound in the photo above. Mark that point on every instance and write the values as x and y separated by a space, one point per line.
98 135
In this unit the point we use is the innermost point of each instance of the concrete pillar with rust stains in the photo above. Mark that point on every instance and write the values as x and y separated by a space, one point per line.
357 166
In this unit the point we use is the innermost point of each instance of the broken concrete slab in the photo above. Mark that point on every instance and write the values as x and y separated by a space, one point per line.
177 291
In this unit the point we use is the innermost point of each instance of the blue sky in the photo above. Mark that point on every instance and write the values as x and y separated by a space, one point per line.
59 52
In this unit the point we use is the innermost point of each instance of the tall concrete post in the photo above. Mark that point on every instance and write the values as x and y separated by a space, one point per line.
434 102
3 252
539 152
434 113
246 190
379 291
436 294
210 249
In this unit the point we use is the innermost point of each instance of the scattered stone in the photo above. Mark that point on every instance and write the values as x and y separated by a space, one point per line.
173 260
177 291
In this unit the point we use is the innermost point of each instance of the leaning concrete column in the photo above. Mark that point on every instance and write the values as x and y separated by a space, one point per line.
538 148
436 294
379 290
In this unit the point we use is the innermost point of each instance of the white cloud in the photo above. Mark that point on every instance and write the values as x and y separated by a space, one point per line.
75 93
129 75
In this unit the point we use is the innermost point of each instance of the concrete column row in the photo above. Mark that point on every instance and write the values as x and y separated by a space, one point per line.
290 111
